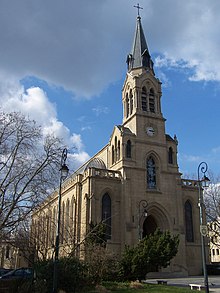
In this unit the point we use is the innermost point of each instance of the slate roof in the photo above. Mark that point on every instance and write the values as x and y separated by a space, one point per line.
139 56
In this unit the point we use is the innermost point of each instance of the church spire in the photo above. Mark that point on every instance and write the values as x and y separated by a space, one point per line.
139 56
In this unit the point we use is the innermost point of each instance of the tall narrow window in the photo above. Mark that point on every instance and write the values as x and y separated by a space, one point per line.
189 221
116 149
47 219
152 101
131 102
54 224
67 221
119 150
144 99
7 253
127 106
151 173
128 149
71 215
113 155
170 156
107 215
62 223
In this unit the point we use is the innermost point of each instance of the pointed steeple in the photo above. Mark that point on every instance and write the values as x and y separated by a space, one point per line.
139 56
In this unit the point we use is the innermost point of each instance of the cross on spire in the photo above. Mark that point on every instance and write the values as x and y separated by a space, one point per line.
138 8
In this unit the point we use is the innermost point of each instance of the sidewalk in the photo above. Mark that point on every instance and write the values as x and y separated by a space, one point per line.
214 282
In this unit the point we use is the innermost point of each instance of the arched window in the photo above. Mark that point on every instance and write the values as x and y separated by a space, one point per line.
48 228
62 222
128 149
189 222
113 155
67 220
144 99
127 105
107 215
131 102
119 150
151 173
116 149
54 224
7 253
170 156
47 220
152 101
71 215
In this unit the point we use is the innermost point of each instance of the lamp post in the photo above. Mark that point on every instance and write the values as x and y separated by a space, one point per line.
202 168
63 175
142 212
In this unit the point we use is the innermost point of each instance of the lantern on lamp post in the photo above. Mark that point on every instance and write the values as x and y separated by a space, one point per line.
202 183
142 213
64 170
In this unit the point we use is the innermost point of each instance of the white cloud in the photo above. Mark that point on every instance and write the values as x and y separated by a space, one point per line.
34 103
84 128
100 110
189 36
81 47
216 150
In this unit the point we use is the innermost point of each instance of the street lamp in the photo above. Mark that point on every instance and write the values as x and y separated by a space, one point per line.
202 168
63 175
142 212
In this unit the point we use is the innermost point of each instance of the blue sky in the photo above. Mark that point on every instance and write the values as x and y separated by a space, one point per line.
64 65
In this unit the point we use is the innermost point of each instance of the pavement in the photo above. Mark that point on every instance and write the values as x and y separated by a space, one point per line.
214 282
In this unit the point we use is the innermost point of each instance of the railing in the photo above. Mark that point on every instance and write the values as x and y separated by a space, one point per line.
103 173
189 183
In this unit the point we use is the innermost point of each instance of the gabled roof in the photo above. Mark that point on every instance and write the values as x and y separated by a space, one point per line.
139 56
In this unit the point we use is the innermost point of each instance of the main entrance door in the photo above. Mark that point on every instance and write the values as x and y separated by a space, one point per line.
149 226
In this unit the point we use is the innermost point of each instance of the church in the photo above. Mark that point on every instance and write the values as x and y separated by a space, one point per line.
133 184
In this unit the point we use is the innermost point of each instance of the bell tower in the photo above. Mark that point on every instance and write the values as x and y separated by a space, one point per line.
141 94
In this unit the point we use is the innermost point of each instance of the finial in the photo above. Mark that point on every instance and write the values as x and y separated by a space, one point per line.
138 8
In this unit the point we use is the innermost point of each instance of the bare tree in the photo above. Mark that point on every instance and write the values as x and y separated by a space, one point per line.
212 199
29 166
212 208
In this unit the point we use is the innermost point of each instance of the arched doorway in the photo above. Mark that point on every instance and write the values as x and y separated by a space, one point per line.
149 226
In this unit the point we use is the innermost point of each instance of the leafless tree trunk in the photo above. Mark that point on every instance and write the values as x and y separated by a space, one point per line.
29 166
212 208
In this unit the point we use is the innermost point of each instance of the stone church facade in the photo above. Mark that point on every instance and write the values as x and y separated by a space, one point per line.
132 185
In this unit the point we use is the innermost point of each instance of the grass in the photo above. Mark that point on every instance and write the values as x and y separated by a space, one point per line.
135 287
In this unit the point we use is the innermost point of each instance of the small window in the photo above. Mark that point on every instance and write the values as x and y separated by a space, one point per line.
119 150
170 156
151 173
127 106
217 251
152 101
106 215
62 223
189 221
144 99
67 218
131 102
213 251
7 253
113 155
128 149
116 149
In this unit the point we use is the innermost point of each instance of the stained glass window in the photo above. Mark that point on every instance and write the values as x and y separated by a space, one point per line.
189 222
106 215
151 173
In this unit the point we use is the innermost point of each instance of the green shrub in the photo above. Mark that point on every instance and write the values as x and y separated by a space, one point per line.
151 253
72 275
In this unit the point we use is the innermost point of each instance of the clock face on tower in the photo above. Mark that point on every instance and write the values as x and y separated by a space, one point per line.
150 131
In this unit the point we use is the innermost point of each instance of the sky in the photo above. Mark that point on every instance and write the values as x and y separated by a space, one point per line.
63 63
